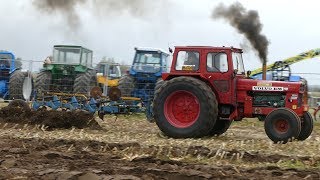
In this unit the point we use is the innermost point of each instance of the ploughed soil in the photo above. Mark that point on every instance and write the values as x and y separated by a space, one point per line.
50 119
69 159
48 144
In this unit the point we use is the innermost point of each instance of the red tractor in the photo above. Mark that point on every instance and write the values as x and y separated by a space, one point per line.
207 88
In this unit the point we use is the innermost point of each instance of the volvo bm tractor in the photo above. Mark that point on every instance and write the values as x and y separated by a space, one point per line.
69 71
206 89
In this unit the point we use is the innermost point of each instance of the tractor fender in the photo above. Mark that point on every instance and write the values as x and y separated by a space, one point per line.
197 76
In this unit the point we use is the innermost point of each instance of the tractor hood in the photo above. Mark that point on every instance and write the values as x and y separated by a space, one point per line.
269 86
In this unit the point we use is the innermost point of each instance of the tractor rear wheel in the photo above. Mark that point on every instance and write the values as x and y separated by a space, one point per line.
316 114
16 84
282 124
84 82
42 83
126 85
306 126
220 127
185 107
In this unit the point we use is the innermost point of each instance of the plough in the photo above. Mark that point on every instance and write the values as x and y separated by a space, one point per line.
102 105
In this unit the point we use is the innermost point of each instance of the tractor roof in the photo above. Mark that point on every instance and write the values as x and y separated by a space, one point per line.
5 52
70 46
150 49
210 47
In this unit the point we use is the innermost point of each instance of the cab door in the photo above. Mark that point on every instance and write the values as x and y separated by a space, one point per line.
219 72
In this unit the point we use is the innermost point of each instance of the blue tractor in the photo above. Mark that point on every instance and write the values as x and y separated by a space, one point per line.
144 76
11 77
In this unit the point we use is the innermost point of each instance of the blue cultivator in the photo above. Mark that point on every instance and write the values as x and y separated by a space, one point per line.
80 102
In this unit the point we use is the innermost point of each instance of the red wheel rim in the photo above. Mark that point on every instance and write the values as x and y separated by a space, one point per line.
182 109
281 126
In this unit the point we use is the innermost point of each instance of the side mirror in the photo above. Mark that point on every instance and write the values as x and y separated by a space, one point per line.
170 50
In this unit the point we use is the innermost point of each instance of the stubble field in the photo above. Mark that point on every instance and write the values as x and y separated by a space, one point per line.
128 147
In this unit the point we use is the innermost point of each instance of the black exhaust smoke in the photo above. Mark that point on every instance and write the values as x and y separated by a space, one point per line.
247 22
102 8
65 7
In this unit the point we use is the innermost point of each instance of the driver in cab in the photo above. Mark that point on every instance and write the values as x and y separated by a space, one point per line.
192 60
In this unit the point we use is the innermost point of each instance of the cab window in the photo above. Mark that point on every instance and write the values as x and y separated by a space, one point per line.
217 62
187 61
238 63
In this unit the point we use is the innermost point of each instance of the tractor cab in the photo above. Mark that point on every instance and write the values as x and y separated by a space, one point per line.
108 74
112 71
6 61
218 60
149 61
72 55
68 60
221 67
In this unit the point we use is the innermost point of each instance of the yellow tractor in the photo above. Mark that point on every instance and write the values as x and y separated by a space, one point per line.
108 75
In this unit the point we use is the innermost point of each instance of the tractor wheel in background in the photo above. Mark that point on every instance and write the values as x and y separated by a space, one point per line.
159 83
16 84
220 127
42 83
282 124
84 82
316 114
19 103
126 85
306 126
185 107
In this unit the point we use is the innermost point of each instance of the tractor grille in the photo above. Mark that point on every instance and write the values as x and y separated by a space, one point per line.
269 99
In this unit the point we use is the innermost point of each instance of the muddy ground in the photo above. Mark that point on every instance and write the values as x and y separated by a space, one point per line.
49 119
128 147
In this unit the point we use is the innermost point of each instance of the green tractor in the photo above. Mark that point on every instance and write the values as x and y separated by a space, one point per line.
70 70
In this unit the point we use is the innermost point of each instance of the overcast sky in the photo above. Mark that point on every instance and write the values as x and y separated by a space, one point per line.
291 26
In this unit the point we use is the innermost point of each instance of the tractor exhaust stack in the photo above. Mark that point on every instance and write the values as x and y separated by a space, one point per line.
264 70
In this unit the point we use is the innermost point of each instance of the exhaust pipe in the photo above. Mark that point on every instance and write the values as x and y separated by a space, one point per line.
264 71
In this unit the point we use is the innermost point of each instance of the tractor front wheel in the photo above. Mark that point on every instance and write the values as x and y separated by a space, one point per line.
185 107
306 126
126 85
282 124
